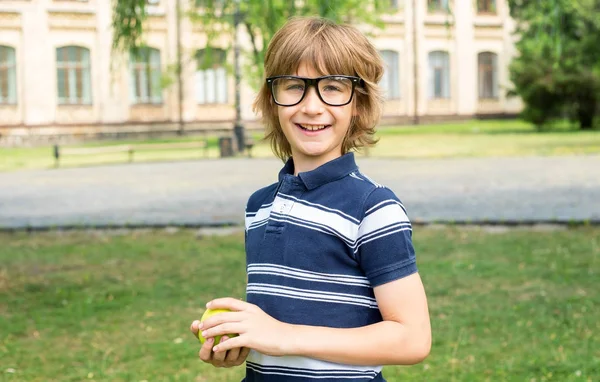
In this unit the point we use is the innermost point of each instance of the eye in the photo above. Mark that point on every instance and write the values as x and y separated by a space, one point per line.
295 87
332 88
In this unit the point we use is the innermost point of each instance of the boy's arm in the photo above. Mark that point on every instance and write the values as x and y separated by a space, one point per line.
404 336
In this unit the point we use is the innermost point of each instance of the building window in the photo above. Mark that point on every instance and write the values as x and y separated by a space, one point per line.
73 75
390 83
145 84
439 73
211 76
486 6
487 64
8 76
438 5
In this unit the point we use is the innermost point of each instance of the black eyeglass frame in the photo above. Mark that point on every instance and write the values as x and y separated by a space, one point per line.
308 82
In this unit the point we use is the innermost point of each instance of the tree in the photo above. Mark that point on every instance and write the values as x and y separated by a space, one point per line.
260 19
557 71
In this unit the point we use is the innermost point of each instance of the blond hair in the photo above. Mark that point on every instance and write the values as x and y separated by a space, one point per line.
329 48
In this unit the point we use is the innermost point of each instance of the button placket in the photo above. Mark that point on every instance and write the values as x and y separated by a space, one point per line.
279 207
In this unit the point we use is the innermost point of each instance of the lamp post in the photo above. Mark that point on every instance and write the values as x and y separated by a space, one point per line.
238 127
415 63
179 79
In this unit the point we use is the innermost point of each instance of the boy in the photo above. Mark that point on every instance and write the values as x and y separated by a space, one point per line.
333 291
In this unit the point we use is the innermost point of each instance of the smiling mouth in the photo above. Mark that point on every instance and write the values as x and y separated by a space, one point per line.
312 127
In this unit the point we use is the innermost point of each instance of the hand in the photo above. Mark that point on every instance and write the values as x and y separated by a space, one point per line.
225 358
256 329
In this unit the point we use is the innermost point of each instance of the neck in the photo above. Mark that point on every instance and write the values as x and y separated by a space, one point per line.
305 163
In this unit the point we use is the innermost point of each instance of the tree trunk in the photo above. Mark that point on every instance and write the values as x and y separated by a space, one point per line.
585 113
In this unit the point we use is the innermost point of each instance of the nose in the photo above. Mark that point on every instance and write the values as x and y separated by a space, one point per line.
312 104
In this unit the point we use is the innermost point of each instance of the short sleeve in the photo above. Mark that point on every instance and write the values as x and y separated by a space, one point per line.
384 246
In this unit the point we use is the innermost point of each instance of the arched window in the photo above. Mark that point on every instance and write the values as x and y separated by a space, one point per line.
487 64
390 82
211 76
486 6
73 75
145 86
437 6
439 75
8 75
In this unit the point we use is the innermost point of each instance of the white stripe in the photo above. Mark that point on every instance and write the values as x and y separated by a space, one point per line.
262 214
372 181
307 363
259 224
311 212
318 205
300 214
356 176
355 244
273 269
384 202
380 236
306 294
382 233
325 275
310 373
256 369
381 218
312 224
279 294
262 206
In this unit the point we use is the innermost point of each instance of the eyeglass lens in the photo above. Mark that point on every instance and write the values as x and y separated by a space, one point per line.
333 90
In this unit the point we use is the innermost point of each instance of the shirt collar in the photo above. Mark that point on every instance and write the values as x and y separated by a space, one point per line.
328 172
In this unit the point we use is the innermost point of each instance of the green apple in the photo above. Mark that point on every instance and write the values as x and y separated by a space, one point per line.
207 314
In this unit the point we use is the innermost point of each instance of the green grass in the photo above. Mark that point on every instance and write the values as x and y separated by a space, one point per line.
515 305
483 139
449 140
42 157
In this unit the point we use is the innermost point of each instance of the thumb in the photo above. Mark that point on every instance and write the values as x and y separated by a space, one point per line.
194 327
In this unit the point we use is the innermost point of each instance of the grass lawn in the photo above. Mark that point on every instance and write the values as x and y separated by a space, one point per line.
513 305
464 139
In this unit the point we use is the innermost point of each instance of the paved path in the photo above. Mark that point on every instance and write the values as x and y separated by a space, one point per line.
215 191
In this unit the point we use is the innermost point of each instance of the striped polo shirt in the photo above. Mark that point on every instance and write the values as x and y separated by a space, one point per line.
316 245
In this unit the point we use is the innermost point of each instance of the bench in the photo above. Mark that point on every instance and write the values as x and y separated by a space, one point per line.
249 143
131 149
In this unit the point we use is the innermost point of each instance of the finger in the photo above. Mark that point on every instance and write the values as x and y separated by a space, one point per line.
223 329
219 356
228 303
231 343
220 319
243 354
205 353
194 327
241 357
232 355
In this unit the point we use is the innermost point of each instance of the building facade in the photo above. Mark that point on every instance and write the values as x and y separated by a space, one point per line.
58 75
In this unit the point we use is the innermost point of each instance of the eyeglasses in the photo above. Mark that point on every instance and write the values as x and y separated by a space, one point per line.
334 90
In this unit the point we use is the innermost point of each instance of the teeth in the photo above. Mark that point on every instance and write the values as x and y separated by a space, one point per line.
313 127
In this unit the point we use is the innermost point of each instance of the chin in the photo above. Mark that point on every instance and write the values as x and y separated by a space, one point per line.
313 151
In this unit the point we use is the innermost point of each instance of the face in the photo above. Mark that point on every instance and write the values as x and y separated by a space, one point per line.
314 129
